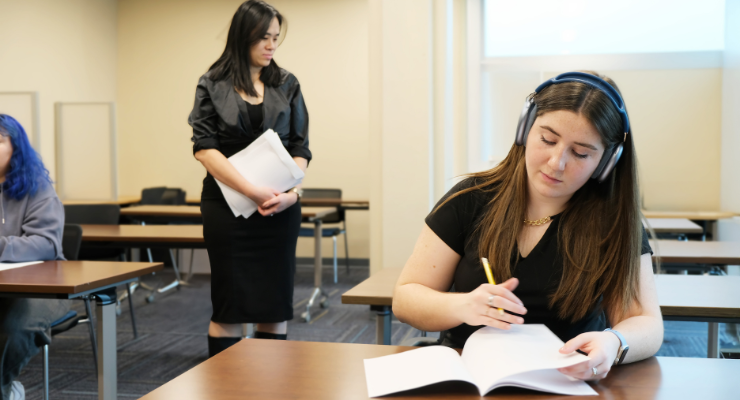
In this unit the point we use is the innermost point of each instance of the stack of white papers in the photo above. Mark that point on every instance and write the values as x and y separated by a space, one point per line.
265 162
526 356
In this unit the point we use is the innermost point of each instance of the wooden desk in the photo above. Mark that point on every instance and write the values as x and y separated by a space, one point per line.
72 279
191 236
377 292
673 225
693 215
706 219
346 204
694 252
264 369
121 201
711 299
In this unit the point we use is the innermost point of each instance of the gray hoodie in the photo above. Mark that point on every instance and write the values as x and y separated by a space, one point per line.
31 228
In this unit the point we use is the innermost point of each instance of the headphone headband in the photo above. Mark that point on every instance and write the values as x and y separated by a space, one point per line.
595 82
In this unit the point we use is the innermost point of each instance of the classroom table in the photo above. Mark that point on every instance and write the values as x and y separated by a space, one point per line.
706 219
72 279
703 298
272 369
673 225
695 252
191 236
122 201
712 299
125 201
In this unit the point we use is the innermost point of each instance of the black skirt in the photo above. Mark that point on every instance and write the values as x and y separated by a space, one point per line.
252 263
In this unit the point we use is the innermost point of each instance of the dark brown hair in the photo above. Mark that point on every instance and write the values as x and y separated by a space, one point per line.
599 234
249 25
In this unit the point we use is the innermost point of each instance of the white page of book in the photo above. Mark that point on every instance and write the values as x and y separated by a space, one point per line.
414 369
526 356
6 266
493 356
265 162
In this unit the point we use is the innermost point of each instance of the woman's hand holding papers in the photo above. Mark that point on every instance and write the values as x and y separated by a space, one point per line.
278 203
261 194
480 307
601 348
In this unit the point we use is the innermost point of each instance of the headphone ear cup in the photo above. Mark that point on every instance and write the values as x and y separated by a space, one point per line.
526 120
608 162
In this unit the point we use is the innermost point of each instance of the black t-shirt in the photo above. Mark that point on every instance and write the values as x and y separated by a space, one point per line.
539 273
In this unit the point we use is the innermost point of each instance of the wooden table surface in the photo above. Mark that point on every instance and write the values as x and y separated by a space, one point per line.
194 211
71 277
272 369
121 201
699 295
148 233
376 290
695 252
695 215
678 295
674 225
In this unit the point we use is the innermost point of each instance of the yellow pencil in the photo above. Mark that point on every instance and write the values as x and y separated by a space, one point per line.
489 275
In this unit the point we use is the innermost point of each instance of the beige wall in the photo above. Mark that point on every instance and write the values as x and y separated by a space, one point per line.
164 46
65 50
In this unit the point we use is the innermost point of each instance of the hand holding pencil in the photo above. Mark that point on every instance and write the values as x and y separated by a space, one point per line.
489 297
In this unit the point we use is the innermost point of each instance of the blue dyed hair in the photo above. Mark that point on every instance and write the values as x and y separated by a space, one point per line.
26 172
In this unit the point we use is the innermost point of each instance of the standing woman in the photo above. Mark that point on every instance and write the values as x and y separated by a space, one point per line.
31 225
243 94
559 220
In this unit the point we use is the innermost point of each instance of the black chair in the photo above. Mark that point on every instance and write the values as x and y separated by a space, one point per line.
335 218
96 214
71 240
163 196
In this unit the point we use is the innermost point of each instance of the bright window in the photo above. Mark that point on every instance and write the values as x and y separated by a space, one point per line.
520 28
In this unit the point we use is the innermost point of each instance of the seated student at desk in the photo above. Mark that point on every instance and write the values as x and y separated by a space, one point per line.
559 221
31 225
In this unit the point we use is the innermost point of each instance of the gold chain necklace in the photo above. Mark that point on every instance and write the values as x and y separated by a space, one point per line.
537 222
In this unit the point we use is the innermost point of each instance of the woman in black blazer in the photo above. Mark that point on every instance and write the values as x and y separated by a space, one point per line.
243 94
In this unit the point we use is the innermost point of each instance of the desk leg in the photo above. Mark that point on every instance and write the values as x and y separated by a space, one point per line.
318 290
713 340
383 326
106 336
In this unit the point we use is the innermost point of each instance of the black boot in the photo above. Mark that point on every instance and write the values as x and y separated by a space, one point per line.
219 344
266 335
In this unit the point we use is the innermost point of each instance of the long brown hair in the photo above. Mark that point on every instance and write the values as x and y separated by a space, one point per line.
599 233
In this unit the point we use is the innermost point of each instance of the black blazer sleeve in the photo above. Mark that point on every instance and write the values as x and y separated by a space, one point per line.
298 137
203 119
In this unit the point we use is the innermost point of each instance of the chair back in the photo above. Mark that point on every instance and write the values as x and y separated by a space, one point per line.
71 241
163 196
313 193
92 214
152 196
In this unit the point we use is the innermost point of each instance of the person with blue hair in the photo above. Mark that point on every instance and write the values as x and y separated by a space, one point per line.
31 225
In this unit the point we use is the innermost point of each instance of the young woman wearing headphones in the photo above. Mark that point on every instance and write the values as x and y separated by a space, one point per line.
559 220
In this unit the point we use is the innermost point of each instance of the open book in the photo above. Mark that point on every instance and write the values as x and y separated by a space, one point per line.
526 356
265 162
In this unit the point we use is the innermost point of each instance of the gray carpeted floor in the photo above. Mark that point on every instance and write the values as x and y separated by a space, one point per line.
173 330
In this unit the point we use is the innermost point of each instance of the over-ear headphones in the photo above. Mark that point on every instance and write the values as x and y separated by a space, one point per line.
529 114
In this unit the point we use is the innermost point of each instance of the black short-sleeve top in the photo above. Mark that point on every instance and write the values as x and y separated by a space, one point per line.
220 120
539 273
